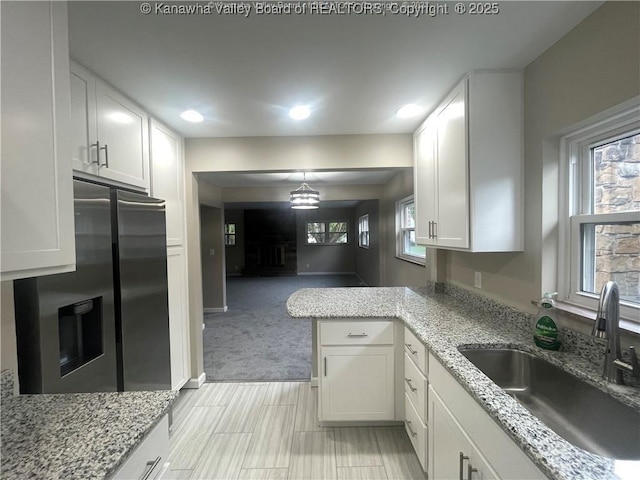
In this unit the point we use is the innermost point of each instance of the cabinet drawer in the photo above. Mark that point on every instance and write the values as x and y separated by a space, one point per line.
416 350
417 432
415 387
149 458
356 333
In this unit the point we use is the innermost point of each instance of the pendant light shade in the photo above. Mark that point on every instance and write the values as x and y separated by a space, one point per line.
304 197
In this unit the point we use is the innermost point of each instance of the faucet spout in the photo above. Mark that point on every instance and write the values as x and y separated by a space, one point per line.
607 327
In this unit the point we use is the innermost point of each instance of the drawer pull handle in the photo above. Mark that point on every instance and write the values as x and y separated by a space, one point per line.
411 350
357 334
411 387
463 457
152 464
413 434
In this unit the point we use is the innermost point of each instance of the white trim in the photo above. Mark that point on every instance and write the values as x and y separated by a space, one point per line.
216 309
400 254
616 122
196 382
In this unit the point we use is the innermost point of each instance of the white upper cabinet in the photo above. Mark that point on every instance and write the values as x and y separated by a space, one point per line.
469 166
37 189
167 178
110 132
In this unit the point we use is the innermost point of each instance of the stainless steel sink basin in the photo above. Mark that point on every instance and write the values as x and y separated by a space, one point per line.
575 410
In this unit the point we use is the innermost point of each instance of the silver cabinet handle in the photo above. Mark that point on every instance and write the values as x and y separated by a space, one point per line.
463 457
470 471
430 229
357 334
106 155
325 366
151 466
435 229
411 387
411 350
97 145
413 434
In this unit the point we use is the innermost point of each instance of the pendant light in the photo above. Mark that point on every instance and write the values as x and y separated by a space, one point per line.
304 197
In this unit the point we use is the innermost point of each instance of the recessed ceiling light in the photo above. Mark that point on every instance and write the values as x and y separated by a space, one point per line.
409 110
300 112
192 116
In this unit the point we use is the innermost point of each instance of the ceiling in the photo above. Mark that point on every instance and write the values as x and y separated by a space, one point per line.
355 71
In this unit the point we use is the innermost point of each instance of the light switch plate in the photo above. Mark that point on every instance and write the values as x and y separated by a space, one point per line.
477 281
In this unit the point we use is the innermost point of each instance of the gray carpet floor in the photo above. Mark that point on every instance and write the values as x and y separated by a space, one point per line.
256 340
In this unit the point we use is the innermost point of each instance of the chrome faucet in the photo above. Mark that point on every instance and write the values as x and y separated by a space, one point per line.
607 326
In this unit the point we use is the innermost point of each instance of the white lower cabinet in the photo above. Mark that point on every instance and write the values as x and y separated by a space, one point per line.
416 395
356 371
464 441
453 456
150 459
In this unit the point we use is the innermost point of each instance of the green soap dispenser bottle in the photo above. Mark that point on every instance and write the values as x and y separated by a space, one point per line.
546 333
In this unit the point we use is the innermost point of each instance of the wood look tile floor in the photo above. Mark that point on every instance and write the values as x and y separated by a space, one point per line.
227 431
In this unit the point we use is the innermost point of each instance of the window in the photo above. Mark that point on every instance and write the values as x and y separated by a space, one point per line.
600 215
230 234
406 247
363 231
327 233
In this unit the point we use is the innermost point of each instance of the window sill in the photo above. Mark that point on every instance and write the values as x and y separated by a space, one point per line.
417 261
589 314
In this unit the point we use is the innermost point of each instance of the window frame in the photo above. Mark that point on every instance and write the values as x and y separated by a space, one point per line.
401 230
575 180
327 232
229 235
363 231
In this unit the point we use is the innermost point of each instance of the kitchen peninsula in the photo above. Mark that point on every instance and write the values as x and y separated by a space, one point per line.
444 322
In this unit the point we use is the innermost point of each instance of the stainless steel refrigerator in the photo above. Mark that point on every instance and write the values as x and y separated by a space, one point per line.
104 327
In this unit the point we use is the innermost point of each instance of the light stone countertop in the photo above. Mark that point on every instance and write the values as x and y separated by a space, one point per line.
446 321
80 436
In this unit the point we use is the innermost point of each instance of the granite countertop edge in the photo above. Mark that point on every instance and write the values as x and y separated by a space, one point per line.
78 435
426 313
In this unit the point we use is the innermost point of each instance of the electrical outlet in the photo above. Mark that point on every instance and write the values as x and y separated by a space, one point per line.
477 280
211 252
307 265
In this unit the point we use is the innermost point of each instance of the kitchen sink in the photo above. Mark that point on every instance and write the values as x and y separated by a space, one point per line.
580 413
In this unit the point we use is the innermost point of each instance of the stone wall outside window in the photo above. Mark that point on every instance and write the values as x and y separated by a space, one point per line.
617 189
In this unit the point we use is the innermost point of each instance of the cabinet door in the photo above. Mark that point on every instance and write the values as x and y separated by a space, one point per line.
84 152
178 317
452 228
451 454
357 383
167 180
425 184
122 130
36 182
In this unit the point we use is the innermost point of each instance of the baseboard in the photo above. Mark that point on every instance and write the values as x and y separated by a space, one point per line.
328 273
196 382
314 382
216 310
